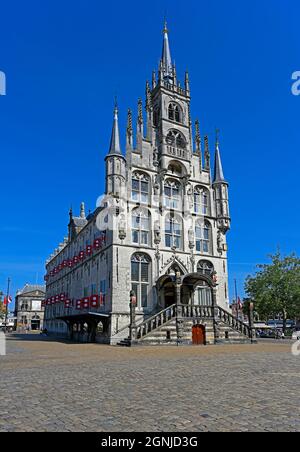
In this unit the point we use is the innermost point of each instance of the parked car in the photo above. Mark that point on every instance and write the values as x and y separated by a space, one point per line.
296 336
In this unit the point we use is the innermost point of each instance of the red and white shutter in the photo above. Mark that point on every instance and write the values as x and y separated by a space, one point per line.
94 301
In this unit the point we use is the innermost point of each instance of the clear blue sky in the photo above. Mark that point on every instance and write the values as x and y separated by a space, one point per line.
64 63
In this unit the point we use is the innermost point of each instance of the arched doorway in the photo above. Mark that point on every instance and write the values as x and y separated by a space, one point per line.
199 335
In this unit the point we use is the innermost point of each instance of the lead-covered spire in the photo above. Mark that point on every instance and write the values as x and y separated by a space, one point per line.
166 54
115 147
218 171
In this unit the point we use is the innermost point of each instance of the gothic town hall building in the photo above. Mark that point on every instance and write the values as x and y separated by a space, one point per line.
149 266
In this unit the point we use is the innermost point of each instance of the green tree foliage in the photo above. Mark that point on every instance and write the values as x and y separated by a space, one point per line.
275 288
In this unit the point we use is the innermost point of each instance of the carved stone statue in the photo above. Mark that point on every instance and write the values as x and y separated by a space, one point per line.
191 235
156 186
157 232
220 241
122 228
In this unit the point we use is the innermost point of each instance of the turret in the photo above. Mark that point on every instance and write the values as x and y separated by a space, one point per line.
220 186
115 162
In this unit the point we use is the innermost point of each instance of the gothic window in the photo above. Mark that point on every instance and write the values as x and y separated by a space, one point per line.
203 237
141 227
173 231
174 112
172 194
140 278
205 268
176 139
140 188
201 201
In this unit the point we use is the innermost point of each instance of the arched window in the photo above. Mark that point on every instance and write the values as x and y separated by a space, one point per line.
141 278
140 188
174 112
176 139
172 194
173 231
201 201
203 237
141 227
205 268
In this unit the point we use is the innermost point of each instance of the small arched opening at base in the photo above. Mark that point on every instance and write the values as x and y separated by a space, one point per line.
199 335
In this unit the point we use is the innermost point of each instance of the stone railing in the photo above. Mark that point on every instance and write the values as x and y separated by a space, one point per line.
155 322
200 312
233 322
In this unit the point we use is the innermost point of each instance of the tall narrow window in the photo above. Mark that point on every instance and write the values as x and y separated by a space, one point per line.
203 237
201 201
141 227
140 188
174 112
173 232
140 277
172 194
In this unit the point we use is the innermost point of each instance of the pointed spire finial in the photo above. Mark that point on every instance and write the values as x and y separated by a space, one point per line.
165 30
115 147
198 136
129 122
71 213
206 153
217 137
140 112
148 97
166 54
218 171
187 81
129 131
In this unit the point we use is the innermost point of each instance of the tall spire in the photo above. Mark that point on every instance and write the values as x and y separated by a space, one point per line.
218 172
166 54
115 147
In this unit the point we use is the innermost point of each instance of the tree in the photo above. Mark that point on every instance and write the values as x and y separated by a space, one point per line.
275 288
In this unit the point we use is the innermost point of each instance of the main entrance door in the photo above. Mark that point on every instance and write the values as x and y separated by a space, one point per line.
199 335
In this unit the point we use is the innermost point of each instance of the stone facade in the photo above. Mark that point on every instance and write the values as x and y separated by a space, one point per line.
29 307
163 214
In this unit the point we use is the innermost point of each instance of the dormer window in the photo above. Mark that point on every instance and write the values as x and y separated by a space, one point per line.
174 113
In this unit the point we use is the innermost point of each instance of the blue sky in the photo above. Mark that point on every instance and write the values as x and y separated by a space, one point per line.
65 61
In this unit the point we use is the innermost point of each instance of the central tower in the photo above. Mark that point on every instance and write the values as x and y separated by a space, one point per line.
171 112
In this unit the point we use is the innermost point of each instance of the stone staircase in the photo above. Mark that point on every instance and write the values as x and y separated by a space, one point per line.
161 328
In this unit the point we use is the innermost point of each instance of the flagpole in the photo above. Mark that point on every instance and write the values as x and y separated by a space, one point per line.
6 310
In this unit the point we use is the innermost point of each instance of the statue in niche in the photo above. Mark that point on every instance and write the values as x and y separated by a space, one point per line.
157 232
156 186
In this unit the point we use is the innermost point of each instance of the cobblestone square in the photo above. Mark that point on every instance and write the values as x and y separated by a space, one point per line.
48 385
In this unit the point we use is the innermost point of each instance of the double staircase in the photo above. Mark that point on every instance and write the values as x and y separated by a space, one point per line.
164 323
